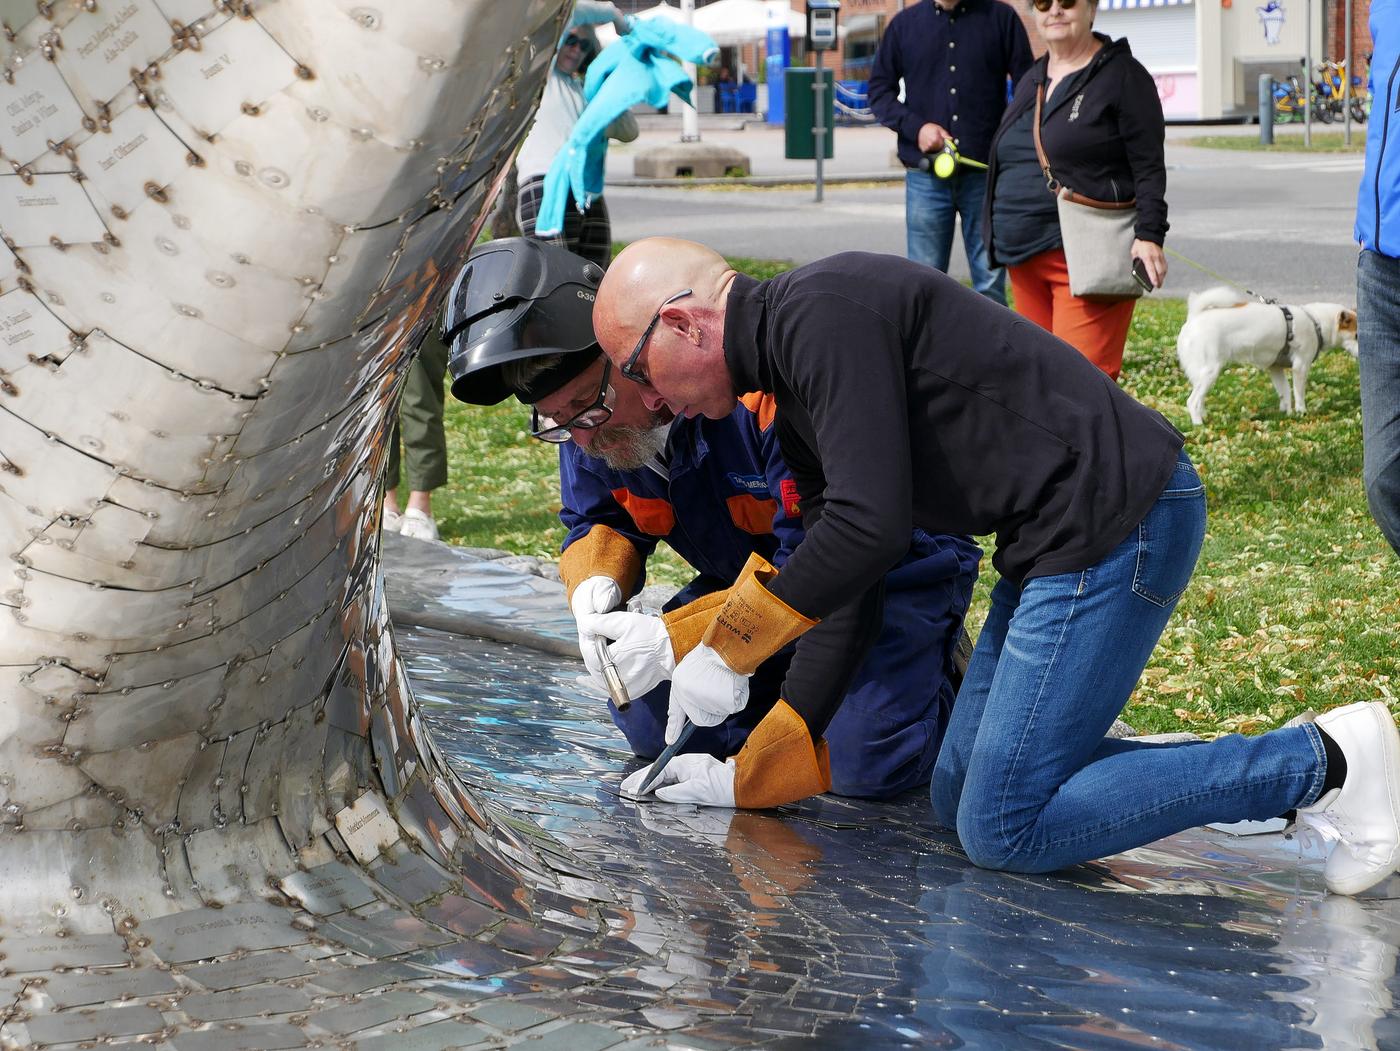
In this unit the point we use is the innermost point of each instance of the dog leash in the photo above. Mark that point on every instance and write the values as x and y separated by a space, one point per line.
1219 276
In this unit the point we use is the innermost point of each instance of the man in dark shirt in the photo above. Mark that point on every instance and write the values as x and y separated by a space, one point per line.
954 57
903 399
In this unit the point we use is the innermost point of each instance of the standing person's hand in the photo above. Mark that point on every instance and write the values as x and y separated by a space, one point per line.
932 137
1154 259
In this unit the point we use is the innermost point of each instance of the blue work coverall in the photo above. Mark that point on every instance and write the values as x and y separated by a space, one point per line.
726 494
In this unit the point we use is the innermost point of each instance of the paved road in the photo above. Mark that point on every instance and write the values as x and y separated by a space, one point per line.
1277 223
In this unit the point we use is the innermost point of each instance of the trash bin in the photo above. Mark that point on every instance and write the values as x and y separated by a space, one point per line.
801 112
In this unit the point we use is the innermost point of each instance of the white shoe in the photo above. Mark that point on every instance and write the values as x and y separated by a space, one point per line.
1363 816
418 525
393 521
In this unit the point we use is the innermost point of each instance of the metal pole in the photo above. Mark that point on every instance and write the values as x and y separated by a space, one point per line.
819 125
1266 110
1346 80
1307 75
690 120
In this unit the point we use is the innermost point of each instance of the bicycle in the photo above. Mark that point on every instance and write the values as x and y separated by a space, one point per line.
1330 100
1288 100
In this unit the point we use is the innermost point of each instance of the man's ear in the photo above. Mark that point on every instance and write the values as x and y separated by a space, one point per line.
678 319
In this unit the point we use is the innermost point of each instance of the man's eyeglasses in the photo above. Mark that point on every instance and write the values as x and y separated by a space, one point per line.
1045 5
547 429
630 369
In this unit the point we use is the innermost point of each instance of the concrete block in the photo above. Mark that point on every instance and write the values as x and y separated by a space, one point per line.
699 160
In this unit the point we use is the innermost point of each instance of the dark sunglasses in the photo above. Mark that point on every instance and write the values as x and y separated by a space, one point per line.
547 429
630 369
1045 5
573 41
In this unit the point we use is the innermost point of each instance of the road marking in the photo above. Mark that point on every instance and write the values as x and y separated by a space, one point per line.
1342 164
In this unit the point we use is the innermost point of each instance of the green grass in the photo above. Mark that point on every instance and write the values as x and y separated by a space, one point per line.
1285 142
1296 597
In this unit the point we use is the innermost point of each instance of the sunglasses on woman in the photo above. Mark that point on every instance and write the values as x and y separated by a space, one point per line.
1045 5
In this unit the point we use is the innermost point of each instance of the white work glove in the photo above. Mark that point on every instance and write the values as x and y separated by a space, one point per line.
595 595
704 690
640 647
690 778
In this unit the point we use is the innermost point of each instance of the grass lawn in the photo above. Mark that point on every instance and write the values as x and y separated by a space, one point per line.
1285 141
1296 598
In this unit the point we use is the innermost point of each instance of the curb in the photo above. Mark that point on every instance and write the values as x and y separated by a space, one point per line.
760 180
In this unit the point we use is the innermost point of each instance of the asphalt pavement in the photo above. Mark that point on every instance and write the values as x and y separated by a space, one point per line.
1277 223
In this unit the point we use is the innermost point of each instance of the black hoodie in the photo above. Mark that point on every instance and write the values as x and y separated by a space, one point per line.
1104 139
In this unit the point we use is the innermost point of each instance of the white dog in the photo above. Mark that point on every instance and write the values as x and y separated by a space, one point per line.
1222 326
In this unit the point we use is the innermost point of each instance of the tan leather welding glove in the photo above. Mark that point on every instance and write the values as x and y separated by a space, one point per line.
753 624
602 552
780 763
689 623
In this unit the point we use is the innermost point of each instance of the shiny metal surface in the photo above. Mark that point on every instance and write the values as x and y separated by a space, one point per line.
225 822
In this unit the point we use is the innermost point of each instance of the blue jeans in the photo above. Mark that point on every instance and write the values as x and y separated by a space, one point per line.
1025 774
1378 334
931 209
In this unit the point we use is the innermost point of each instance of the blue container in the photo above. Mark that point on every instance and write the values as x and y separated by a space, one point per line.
776 64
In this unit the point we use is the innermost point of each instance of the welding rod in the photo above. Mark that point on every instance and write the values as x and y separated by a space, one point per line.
616 689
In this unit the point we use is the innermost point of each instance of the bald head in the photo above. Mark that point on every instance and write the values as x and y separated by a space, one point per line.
645 273
664 300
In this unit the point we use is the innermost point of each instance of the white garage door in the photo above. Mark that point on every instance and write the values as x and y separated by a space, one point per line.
1162 38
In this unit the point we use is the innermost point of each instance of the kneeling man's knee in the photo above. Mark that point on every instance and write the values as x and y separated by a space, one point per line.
989 845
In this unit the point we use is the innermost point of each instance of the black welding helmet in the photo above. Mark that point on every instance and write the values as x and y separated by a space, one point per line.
519 298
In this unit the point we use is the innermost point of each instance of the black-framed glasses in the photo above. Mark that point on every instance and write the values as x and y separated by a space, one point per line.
629 368
572 40
1044 5
547 429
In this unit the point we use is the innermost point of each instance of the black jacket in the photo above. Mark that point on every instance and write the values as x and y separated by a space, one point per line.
906 399
954 65
1104 141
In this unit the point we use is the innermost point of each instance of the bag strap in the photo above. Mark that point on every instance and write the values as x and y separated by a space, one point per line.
1051 183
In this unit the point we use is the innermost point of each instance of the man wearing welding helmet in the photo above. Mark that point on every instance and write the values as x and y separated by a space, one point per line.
519 323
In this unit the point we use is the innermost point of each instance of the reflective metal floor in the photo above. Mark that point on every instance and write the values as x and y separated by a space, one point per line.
595 922
859 925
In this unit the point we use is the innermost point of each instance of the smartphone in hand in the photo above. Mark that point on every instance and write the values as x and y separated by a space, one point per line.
1140 275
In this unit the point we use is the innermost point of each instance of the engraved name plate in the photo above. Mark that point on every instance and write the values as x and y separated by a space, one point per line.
102 46
48 206
237 63
37 107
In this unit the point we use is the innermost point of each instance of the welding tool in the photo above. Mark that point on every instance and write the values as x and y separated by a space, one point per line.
687 728
617 690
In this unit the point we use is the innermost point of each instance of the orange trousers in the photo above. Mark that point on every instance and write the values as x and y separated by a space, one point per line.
1040 287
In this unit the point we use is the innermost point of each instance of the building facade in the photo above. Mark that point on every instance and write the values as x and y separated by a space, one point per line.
1206 55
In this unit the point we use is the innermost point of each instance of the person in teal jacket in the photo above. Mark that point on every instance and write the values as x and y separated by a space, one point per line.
1378 275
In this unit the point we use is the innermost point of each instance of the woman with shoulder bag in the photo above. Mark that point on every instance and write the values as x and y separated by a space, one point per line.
1076 192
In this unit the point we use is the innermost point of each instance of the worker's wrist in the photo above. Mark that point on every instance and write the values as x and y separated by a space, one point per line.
753 624
780 763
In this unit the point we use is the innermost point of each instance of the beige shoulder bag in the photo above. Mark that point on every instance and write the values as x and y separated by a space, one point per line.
1097 235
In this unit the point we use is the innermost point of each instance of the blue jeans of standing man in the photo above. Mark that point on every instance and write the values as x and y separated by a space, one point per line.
1378 334
932 207
1025 774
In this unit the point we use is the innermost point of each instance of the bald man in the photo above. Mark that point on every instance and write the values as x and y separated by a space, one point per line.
904 399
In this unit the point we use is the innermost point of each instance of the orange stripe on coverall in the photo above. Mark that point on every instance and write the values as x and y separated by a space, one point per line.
653 515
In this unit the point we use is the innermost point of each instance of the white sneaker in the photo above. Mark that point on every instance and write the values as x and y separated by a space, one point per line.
393 521
418 525
1363 816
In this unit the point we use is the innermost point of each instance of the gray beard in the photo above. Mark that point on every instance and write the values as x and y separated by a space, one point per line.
628 448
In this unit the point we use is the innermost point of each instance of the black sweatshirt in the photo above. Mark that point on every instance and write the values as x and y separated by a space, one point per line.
906 399
1104 138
